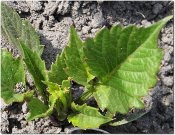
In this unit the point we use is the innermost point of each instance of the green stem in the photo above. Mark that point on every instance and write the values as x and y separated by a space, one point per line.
86 95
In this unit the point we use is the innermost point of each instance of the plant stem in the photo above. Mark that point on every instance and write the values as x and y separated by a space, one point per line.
86 95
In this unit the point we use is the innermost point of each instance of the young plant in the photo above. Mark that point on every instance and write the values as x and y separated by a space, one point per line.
117 67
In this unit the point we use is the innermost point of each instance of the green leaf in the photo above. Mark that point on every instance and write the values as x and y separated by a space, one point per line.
126 61
36 109
57 74
55 89
60 93
12 72
67 91
36 67
74 59
86 117
15 28
60 97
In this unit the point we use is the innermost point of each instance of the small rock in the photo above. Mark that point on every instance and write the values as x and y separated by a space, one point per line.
55 130
76 5
97 20
93 30
166 90
23 123
24 108
50 8
15 130
85 29
46 123
4 115
88 13
145 23
167 57
63 7
78 27
168 81
68 128
20 117
157 8
167 100
85 11
165 70
35 5
4 122
20 88
167 40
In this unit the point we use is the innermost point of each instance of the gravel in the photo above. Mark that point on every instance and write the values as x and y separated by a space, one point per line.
52 20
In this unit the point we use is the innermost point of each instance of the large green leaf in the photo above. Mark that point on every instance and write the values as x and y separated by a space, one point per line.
125 60
36 67
15 28
86 117
74 59
12 72
57 73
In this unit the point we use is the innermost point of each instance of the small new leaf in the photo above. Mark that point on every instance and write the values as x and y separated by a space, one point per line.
59 92
55 94
86 117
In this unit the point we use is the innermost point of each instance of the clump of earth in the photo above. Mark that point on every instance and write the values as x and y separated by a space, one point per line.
52 20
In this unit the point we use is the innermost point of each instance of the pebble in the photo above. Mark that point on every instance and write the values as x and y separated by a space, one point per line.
168 81
23 123
94 30
24 107
4 115
167 40
157 8
85 29
167 57
35 6
50 8
145 23
167 100
97 20
63 7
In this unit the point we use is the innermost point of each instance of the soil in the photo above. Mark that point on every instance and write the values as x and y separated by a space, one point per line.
52 21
